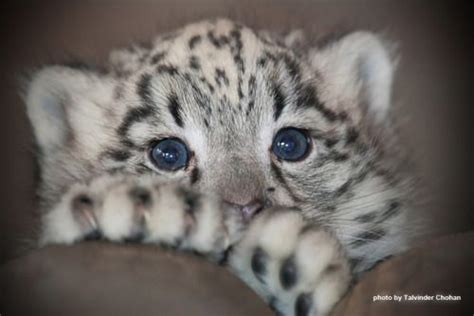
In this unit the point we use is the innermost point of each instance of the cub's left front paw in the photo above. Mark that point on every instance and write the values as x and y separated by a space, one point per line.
298 268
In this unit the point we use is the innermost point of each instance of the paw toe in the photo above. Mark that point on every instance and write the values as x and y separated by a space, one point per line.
303 305
288 273
141 196
258 263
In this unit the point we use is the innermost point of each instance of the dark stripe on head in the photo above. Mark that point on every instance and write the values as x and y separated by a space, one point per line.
265 58
193 41
167 69
292 67
157 57
239 88
133 116
330 142
175 109
194 63
250 107
278 101
195 175
366 218
218 42
118 154
143 89
344 188
337 156
393 209
368 237
351 135
307 98
221 77
252 86
279 176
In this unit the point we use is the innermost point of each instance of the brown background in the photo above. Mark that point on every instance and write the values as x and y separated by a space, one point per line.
432 90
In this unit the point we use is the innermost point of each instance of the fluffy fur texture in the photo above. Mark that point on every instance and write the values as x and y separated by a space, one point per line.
226 90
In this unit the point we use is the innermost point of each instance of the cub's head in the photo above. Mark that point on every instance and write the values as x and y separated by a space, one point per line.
254 118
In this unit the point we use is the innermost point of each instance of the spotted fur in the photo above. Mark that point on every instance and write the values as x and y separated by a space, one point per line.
225 90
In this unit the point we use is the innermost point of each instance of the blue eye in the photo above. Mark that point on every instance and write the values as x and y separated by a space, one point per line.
169 154
291 144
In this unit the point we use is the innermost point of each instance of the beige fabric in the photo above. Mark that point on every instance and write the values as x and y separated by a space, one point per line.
108 279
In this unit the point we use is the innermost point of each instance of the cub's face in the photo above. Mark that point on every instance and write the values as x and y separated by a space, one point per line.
224 109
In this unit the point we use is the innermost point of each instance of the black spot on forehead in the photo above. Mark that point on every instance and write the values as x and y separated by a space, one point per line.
194 62
167 69
252 85
218 42
221 77
292 66
266 57
157 57
194 40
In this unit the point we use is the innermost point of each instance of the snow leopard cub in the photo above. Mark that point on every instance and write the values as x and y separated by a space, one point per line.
268 151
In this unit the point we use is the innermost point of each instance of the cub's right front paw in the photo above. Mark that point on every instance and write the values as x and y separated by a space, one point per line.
299 268
146 210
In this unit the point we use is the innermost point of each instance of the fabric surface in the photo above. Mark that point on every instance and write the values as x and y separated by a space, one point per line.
108 279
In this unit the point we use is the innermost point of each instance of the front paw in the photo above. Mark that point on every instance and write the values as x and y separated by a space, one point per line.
299 269
143 209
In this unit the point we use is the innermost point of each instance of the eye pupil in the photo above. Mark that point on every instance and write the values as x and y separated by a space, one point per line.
169 154
291 144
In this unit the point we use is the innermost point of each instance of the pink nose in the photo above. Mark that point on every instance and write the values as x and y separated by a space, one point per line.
249 210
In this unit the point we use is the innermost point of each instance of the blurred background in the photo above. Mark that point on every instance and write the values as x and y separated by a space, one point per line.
433 86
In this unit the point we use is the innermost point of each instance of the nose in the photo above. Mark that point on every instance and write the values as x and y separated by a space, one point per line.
248 210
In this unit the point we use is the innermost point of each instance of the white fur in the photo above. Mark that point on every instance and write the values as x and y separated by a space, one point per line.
358 66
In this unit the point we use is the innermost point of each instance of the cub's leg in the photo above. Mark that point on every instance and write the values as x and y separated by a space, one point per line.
299 269
146 210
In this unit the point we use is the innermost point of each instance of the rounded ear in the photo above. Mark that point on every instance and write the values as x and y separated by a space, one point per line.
52 95
356 70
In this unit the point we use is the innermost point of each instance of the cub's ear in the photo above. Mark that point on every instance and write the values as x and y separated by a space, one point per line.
356 70
56 96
